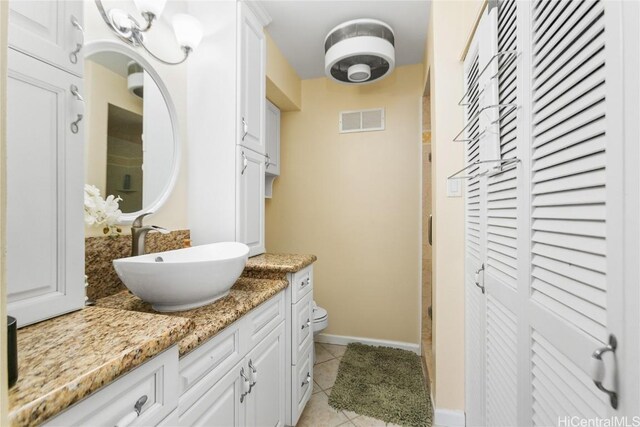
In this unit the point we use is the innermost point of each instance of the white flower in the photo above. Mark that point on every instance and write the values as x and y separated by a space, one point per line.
101 212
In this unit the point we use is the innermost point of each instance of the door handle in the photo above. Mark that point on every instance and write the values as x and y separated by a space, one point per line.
245 128
246 387
245 163
73 56
598 369
478 278
430 230
253 375
79 108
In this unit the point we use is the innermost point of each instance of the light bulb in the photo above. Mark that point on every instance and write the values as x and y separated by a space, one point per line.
188 30
154 7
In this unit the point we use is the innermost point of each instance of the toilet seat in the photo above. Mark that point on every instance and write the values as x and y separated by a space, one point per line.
319 314
320 319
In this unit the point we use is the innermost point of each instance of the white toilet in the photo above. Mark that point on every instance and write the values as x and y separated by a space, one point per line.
320 322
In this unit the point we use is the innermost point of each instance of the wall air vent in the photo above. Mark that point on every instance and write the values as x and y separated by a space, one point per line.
361 120
359 51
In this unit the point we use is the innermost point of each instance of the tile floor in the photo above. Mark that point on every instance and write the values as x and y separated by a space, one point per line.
318 413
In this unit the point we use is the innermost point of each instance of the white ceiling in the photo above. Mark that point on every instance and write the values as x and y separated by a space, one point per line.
300 26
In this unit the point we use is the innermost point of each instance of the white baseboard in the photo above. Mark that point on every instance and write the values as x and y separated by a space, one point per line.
344 340
448 418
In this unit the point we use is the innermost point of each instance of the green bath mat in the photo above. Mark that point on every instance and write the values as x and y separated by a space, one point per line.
383 383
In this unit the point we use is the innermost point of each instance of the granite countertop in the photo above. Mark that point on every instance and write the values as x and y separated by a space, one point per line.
245 295
280 263
65 359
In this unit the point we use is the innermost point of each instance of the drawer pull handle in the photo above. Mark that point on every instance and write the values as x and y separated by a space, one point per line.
246 387
253 375
306 325
131 416
305 282
306 380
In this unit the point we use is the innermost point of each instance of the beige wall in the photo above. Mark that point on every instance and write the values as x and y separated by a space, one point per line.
284 87
449 25
354 201
173 215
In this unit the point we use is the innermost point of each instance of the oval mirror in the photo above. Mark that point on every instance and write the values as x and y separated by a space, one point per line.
132 138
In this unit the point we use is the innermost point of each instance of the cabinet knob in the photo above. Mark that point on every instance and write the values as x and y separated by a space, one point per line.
73 56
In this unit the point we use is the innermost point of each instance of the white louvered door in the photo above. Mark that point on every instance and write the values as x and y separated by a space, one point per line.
548 229
474 247
502 212
575 296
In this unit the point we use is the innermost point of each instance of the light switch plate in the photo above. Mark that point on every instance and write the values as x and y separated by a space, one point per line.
454 188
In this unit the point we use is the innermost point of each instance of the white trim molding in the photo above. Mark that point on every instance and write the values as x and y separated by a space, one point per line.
448 418
344 340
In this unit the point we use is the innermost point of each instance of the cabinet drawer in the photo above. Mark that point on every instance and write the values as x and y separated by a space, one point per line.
258 323
302 326
156 379
214 358
302 386
301 283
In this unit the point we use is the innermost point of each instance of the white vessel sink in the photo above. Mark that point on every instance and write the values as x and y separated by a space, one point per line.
186 278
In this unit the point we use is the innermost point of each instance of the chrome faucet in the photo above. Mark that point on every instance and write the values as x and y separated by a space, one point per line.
139 232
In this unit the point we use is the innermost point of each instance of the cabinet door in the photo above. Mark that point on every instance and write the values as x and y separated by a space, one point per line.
266 364
45 29
250 200
45 235
252 81
220 405
272 136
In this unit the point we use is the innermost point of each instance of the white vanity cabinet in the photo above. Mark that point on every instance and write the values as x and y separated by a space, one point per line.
225 102
238 377
250 209
50 31
45 157
258 371
155 383
272 138
300 344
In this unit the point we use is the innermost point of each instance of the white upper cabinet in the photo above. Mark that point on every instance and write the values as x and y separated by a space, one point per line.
250 209
226 110
45 231
48 30
252 54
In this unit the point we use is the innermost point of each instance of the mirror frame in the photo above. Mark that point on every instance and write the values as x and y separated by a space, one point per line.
99 46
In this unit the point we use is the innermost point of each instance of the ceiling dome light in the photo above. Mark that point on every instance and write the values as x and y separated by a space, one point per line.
359 51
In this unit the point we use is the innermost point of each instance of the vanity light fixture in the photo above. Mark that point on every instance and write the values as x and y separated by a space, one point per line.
188 30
